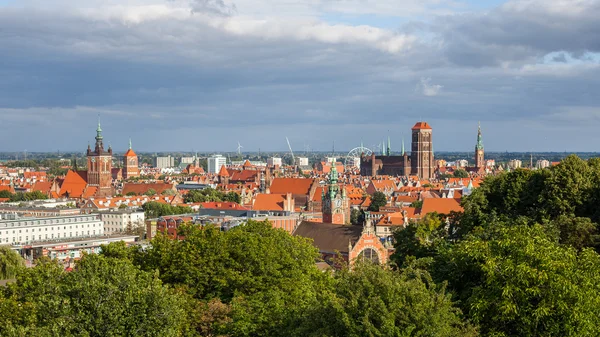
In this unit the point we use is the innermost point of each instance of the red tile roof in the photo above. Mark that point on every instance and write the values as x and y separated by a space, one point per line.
223 172
421 126
130 153
141 188
222 205
43 187
74 184
291 185
440 205
269 202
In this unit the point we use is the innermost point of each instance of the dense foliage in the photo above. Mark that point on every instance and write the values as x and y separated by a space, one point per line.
252 280
155 209
10 263
23 196
521 260
210 194
378 200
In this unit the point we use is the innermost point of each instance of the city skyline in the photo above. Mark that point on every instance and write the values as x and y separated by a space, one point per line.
211 73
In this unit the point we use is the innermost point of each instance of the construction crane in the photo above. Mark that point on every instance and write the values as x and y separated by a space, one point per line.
292 152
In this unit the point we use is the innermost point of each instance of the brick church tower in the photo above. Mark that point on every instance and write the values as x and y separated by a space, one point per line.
479 157
99 172
130 164
421 161
336 207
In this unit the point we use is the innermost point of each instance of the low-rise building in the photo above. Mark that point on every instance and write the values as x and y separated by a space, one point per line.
122 220
25 231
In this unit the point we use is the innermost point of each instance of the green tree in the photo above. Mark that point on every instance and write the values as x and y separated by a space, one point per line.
150 192
518 281
155 209
101 297
10 263
378 200
417 204
460 173
131 194
373 301
357 216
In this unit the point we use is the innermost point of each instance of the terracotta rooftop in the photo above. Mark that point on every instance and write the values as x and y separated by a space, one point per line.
291 185
440 206
421 126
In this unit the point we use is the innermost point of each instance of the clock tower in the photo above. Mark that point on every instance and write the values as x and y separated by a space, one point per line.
336 207
99 172
479 153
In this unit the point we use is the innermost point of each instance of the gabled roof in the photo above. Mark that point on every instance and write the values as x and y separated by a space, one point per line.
130 153
247 164
421 126
291 185
329 237
223 172
43 187
440 206
74 184
269 202
141 188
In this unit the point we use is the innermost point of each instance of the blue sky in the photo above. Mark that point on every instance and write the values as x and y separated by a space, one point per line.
205 74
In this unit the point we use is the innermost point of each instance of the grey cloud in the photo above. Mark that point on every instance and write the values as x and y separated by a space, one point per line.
219 7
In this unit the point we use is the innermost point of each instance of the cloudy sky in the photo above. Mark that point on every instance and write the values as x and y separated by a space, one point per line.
205 74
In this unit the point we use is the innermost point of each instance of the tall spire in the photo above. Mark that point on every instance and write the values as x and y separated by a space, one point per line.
98 130
389 146
479 138
130 143
383 147
403 145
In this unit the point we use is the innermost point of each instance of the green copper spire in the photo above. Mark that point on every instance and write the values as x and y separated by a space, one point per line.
479 138
383 147
403 145
389 146
98 130
130 143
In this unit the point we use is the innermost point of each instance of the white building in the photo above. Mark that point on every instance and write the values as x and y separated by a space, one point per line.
462 163
118 221
215 162
301 161
330 160
515 164
187 160
542 164
274 161
164 162
22 231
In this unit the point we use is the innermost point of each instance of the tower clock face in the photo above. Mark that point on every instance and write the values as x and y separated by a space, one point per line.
93 160
338 203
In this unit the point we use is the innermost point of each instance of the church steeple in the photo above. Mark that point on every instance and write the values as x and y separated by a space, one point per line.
130 143
99 145
389 146
479 138
403 146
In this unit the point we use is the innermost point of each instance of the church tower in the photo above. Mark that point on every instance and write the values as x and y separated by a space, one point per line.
336 207
130 161
99 161
421 160
479 153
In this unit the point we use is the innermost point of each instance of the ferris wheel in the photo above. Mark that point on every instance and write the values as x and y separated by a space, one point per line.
352 159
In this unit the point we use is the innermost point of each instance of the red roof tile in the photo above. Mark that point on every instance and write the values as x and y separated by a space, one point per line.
291 185
421 126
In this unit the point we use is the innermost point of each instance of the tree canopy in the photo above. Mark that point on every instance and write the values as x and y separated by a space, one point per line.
378 200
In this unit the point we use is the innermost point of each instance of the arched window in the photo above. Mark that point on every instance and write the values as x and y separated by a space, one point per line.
368 254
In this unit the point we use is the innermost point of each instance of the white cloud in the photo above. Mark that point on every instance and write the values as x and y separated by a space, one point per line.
427 88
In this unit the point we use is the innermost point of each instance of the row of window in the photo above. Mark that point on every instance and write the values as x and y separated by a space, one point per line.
15 241
44 222
51 228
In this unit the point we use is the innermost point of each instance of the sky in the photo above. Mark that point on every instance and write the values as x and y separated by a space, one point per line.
203 75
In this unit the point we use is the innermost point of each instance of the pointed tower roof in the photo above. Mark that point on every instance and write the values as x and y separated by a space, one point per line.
403 146
130 152
247 164
223 172
479 138
421 126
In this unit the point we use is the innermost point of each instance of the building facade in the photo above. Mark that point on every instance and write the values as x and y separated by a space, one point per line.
24 231
422 160
274 161
121 221
479 153
164 162
215 162
99 174
131 167
336 207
